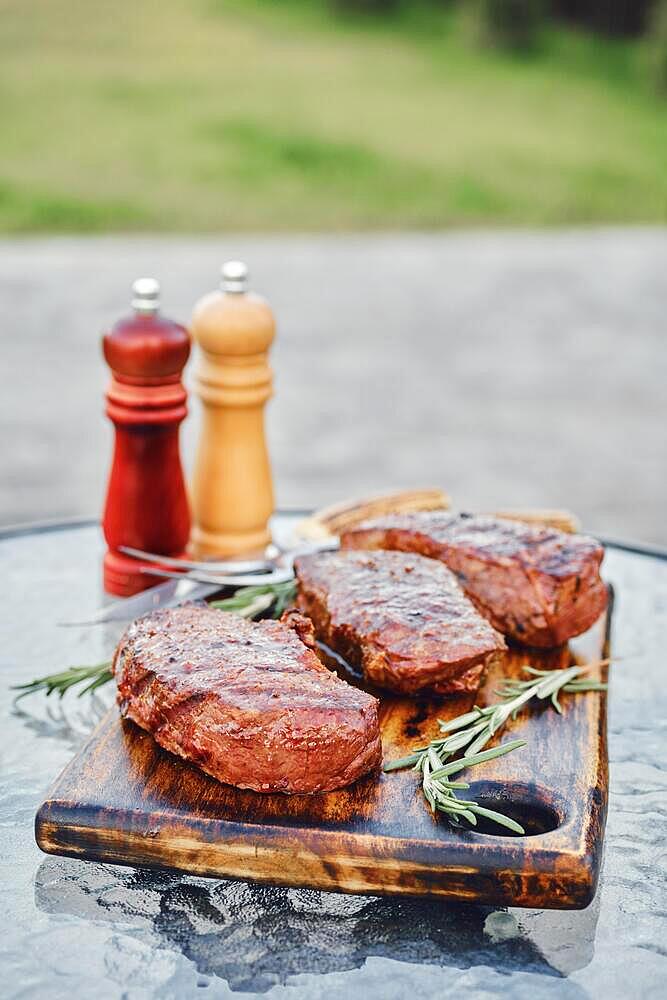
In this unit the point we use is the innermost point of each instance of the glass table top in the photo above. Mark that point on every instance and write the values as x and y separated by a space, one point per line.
91 930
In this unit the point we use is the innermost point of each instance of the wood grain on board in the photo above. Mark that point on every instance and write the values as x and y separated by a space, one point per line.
124 800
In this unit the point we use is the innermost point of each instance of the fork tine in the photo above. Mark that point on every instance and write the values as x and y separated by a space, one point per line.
252 580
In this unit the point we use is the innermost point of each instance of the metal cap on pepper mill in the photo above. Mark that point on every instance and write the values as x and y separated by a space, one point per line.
146 295
234 276
232 493
146 505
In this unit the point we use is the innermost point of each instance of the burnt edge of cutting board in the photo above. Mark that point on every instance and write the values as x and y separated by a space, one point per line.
123 800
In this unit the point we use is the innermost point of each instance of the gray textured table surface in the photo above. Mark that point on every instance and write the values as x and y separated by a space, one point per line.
75 929
510 368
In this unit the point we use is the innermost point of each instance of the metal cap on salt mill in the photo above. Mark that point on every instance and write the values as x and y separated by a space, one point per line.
232 493
146 505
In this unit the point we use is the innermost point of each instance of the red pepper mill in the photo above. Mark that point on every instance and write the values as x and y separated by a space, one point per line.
147 504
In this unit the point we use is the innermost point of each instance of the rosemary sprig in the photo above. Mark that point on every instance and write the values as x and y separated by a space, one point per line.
246 601
440 791
474 729
96 675
252 601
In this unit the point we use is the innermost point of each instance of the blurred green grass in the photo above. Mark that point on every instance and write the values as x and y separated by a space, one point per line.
260 114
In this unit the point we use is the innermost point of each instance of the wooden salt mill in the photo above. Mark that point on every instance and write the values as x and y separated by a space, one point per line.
146 505
232 493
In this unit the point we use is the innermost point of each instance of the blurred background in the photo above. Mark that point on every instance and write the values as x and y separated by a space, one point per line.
457 209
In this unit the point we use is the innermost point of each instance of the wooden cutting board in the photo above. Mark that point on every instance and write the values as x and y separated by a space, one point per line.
124 800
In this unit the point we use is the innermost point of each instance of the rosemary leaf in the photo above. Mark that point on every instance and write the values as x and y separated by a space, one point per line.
499 818
397 765
102 678
478 758
481 741
460 721
576 687
462 738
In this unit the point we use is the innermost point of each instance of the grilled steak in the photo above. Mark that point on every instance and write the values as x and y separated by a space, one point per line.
402 619
537 585
247 702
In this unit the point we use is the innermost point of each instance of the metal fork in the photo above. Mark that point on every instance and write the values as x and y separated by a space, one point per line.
276 570
230 567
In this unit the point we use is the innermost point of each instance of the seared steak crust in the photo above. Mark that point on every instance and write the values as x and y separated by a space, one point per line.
247 702
402 619
537 585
